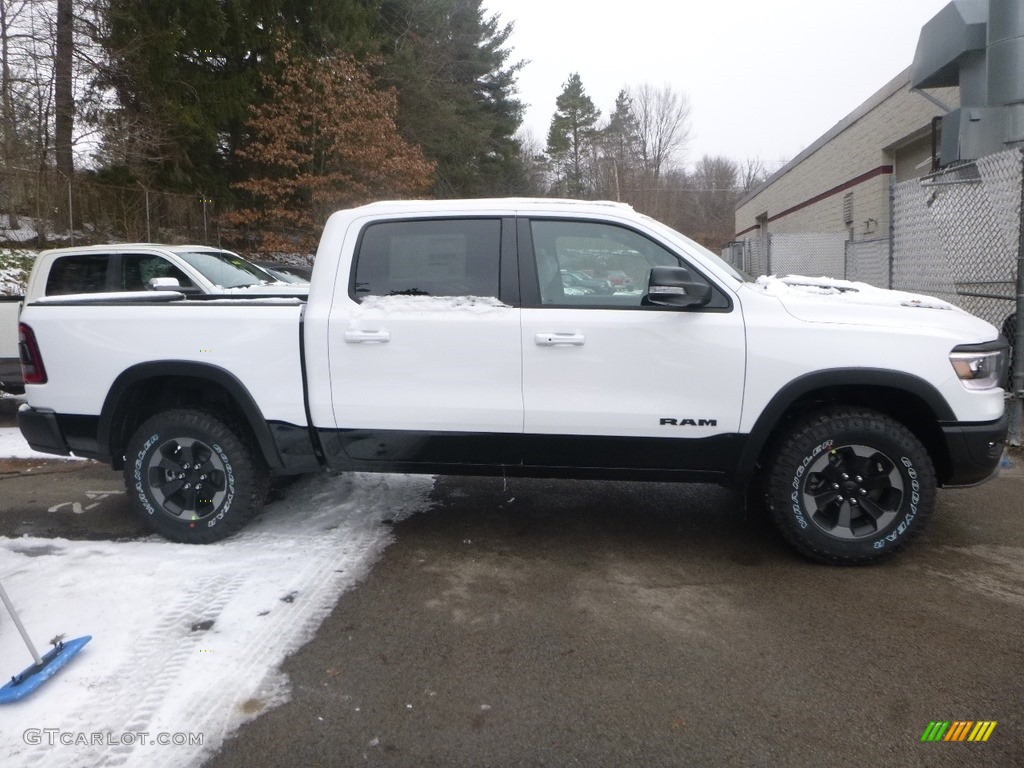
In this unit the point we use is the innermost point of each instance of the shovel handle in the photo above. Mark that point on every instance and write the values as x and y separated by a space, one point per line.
19 625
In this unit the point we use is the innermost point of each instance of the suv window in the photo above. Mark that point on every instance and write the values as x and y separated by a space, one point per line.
594 264
85 273
449 257
138 269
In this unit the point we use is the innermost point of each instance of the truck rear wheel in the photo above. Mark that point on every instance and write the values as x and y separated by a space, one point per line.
192 477
850 486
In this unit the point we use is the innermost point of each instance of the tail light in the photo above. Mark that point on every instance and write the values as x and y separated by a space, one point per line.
32 369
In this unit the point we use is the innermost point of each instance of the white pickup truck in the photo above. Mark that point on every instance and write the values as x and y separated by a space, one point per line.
129 267
439 337
10 365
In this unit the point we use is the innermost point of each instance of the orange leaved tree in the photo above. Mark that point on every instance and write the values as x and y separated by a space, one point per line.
325 139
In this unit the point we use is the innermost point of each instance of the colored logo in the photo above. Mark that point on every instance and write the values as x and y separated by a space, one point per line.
959 730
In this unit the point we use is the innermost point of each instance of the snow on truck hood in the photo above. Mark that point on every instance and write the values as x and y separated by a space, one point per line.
827 300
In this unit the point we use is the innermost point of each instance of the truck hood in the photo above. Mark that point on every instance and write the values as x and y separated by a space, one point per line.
826 300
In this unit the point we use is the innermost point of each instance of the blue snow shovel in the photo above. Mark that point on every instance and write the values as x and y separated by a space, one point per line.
45 667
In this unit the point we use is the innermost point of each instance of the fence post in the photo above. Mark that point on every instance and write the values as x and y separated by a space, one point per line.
1017 385
206 236
149 236
892 228
71 215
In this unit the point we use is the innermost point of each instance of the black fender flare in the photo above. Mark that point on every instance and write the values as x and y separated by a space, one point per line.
766 423
113 403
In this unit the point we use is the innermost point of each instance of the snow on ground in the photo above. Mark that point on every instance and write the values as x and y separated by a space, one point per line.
26 231
152 671
13 446
10 281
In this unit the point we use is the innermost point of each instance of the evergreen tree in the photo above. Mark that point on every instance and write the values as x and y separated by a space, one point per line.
620 142
456 92
186 71
571 138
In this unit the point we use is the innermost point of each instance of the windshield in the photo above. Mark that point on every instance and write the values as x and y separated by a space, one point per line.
285 277
227 270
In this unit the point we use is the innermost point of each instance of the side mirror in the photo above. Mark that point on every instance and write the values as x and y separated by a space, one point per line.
676 287
164 284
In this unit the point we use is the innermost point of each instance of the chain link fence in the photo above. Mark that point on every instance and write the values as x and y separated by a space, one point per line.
818 254
46 210
956 235
815 254
751 255
867 261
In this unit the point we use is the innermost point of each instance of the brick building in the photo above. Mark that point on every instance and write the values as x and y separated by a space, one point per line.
840 184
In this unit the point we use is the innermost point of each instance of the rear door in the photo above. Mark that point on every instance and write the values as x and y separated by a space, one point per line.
610 382
424 344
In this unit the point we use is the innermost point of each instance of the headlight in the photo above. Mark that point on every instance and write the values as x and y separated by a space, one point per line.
981 366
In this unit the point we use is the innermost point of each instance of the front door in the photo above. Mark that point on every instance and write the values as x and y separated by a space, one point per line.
609 382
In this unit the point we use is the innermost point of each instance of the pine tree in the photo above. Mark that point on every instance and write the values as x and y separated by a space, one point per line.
571 138
620 146
456 83
185 73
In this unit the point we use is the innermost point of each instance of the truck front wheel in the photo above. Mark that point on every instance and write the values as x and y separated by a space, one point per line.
850 486
193 478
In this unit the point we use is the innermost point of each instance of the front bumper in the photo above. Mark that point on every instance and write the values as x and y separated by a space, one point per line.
974 450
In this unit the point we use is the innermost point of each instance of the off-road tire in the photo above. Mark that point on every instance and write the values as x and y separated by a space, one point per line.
849 486
193 477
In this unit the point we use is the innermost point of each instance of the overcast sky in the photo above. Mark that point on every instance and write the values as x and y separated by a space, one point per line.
764 79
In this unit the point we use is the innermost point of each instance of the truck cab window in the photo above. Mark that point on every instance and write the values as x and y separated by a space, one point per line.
585 263
86 273
448 257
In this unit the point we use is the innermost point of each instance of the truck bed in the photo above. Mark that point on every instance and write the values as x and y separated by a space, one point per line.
256 340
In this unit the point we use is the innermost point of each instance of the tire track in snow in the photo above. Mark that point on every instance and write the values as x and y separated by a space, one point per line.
146 671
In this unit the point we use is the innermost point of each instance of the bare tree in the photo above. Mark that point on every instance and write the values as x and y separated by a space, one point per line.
45 76
63 90
663 121
24 102
535 163
715 184
752 173
9 13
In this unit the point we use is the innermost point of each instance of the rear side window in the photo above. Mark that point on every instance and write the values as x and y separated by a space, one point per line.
86 273
452 257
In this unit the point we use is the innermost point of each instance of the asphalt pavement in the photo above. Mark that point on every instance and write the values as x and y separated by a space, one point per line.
557 623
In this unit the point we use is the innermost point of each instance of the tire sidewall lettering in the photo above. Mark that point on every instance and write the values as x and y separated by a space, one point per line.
230 474
137 475
797 507
141 488
915 499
